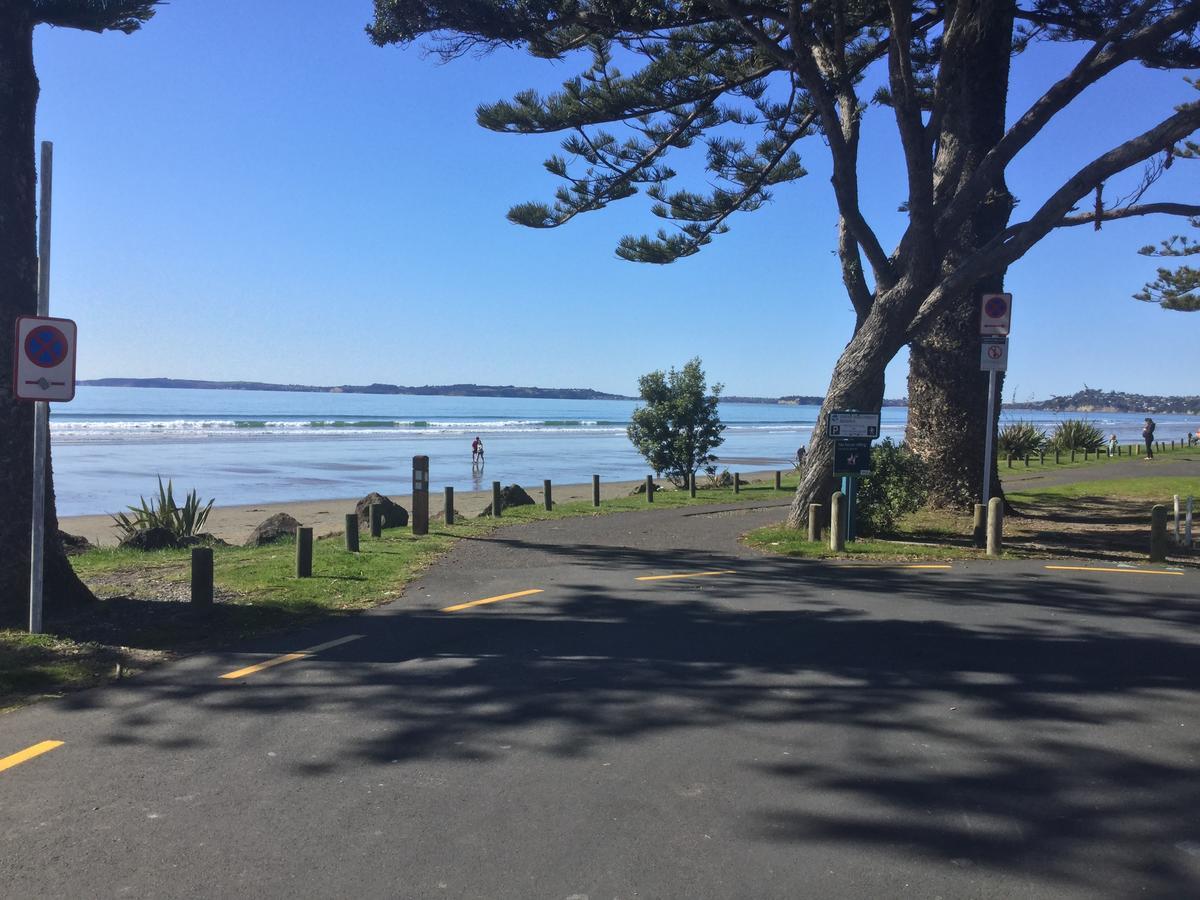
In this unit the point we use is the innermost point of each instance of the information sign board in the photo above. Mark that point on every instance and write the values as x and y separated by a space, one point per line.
850 423
44 355
993 355
852 457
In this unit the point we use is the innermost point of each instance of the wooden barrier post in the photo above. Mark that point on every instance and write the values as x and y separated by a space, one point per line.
692 484
837 523
649 488
979 526
1010 460
737 482
1072 454
995 526
448 512
596 491
814 522
1158 533
202 576
304 552
1027 460
1041 457
1056 460
496 500
352 532
375 518
420 495
546 498
778 480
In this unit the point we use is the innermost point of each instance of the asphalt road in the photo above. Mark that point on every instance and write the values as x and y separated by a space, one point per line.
785 729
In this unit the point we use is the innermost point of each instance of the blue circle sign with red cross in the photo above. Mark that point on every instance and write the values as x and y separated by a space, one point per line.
996 306
46 346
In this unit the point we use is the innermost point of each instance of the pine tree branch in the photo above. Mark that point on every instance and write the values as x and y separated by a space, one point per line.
1126 212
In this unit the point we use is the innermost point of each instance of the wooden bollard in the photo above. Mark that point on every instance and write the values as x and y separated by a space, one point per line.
1010 460
1086 451
304 552
546 498
596 491
1072 454
202 576
814 522
1158 533
837 523
375 519
649 488
692 484
352 532
979 526
1027 460
496 500
1041 457
737 482
995 526
778 480
1056 460
448 512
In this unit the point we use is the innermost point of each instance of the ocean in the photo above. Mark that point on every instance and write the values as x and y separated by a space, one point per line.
241 447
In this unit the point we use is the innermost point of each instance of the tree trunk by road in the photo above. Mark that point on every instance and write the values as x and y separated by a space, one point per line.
18 296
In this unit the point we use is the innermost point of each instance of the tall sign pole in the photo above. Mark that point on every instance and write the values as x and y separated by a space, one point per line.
995 321
41 408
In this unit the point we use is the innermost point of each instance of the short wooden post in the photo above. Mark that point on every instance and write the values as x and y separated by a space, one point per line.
978 526
546 498
1056 459
1010 460
496 500
304 552
692 484
596 491
420 496
814 522
737 482
375 518
202 576
352 532
1027 460
995 526
1041 457
448 512
649 488
1158 533
778 480
837 523
1072 454
1086 453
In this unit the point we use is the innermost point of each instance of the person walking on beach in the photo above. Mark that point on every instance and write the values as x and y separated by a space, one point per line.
477 452
1112 445
1148 435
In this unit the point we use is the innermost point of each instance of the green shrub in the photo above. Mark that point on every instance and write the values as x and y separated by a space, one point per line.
182 521
1020 439
897 486
1077 434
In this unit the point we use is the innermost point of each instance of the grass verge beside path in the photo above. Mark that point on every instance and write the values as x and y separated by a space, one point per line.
143 615
787 542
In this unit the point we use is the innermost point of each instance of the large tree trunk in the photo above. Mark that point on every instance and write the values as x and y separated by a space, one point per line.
18 296
947 394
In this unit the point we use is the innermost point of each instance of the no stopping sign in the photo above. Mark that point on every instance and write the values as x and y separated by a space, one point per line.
44 354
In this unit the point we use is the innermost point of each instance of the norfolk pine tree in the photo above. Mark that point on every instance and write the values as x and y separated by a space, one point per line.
18 285
710 72
1177 289
679 427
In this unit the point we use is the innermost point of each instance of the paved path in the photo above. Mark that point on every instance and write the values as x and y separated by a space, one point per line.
786 729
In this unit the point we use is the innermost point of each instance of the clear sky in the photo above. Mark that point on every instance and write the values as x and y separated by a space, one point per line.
253 191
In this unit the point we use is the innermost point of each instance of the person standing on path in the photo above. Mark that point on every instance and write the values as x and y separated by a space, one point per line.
1148 434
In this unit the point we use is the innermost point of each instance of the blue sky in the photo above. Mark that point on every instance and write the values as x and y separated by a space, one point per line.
254 191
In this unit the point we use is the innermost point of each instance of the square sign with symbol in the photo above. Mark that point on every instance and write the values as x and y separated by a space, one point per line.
44 359
993 355
995 314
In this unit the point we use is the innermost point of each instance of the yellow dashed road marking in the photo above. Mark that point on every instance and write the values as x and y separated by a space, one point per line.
1112 569
685 575
491 600
28 753
290 657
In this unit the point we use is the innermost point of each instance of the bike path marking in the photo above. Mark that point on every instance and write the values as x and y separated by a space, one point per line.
1126 571
290 657
471 603
28 753
685 575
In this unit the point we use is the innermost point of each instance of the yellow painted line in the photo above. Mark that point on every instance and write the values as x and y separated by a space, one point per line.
290 657
926 566
28 753
491 600
1111 569
685 575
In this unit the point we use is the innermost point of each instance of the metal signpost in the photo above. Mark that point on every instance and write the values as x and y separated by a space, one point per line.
995 319
43 370
852 432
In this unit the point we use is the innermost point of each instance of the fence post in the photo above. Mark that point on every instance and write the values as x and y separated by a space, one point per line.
495 499
814 522
1072 454
448 512
376 520
1056 461
596 491
778 480
546 494
995 526
1042 457
737 482
649 488
1010 460
692 483
837 523
304 552
352 532
1027 460
978 526
202 576
1158 533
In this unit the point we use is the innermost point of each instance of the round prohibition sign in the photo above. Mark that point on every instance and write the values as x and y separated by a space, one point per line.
996 307
995 352
46 346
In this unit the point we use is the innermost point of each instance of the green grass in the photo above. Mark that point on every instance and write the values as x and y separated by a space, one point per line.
778 539
32 664
1159 489
1018 464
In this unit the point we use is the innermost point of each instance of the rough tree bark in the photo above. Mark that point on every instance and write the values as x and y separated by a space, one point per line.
18 296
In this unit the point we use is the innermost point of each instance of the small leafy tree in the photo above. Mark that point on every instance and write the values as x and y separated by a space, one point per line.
898 485
678 428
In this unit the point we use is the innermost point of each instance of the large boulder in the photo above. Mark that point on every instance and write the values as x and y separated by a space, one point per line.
513 495
394 515
151 539
276 528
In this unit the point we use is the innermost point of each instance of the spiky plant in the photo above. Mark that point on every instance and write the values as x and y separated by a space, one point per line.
162 512
1077 434
1020 439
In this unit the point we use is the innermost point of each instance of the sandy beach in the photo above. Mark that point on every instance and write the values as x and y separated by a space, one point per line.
235 523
